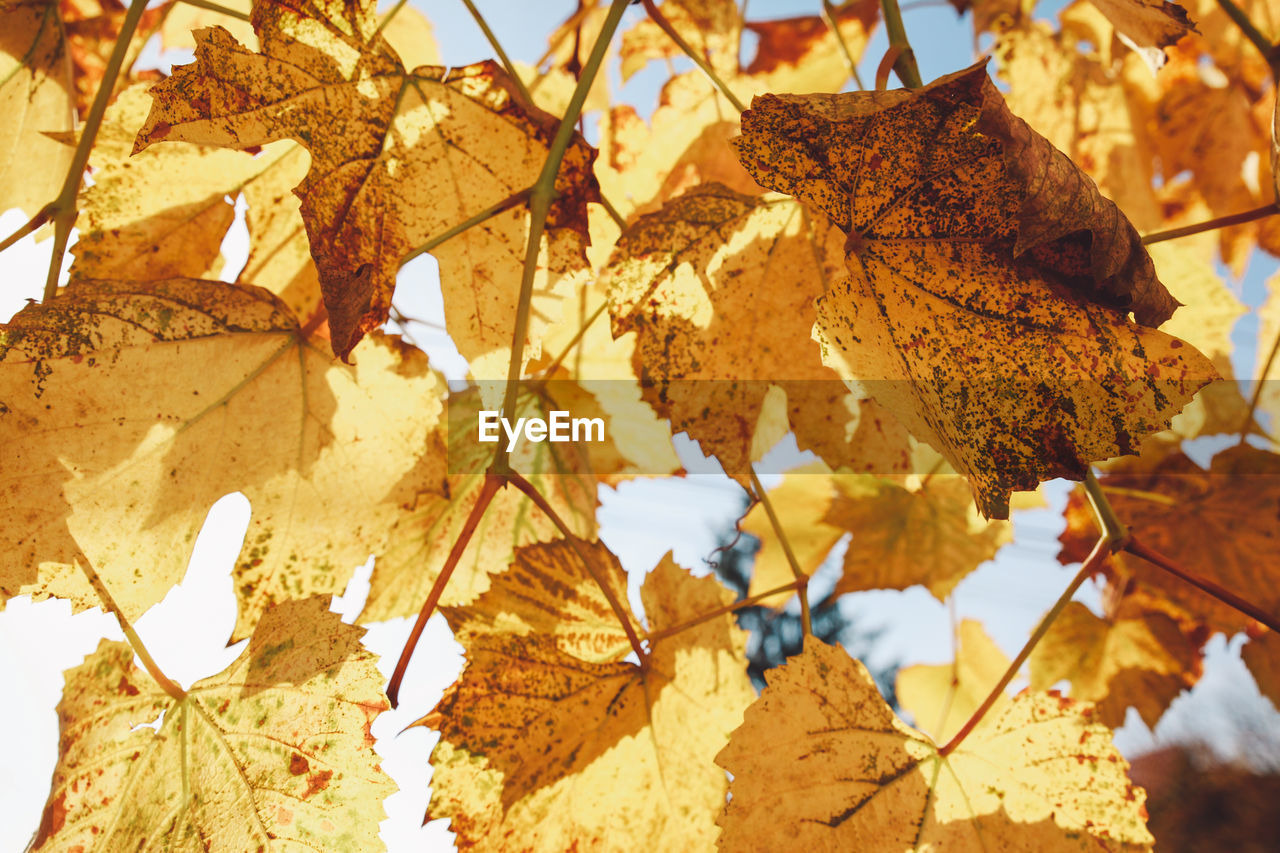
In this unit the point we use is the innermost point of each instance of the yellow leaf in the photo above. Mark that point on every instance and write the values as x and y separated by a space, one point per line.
273 753
1147 23
918 530
423 536
397 159
802 54
35 97
713 28
822 763
987 308
1136 659
801 501
718 288
222 397
942 698
543 751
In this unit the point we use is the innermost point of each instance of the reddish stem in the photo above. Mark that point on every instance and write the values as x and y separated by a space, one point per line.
1223 594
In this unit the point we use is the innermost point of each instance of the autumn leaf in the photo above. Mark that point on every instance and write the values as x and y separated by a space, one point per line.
273 753
36 98
422 538
801 502
1219 523
225 395
718 288
1147 23
1262 656
534 740
990 281
1132 659
397 159
711 27
802 54
942 698
821 762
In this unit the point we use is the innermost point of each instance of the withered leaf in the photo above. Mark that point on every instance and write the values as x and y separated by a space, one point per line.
990 280
273 753
535 741
821 762
397 158
224 395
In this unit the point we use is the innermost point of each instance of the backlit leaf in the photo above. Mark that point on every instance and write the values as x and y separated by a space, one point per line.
274 753
943 697
224 395
990 280
821 762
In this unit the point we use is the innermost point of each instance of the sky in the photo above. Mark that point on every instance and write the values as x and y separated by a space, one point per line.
640 521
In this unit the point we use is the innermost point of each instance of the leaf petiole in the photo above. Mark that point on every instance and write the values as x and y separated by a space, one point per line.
663 24
801 579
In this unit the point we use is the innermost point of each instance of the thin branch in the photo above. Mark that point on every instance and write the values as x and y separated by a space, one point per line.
41 217
386 19
135 642
1205 585
577 336
219 8
802 580
1100 550
491 485
488 213
829 15
618 218
63 208
1212 224
549 511
905 65
497 48
1113 529
541 196
740 604
663 24
1245 426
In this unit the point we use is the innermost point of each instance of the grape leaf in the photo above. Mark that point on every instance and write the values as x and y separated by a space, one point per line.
396 159
273 753
224 395
534 740
711 27
36 96
718 288
1218 523
821 762
802 54
1147 23
990 280
943 697
801 502
1133 659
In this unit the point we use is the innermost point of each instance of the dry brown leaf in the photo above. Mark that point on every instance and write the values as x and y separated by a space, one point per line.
36 97
719 288
822 763
396 159
1218 523
991 281
541 750
1147 23
563 473
273 753
802 54
942 698
1134 659
124 480
1262 656
912 530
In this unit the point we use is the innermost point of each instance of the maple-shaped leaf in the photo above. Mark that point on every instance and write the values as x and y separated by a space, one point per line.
542 750
423 536
397 158
719 287
1132 659
36 98
224 395
912 530
1218 523
821 762
990 281
942 697
273 753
